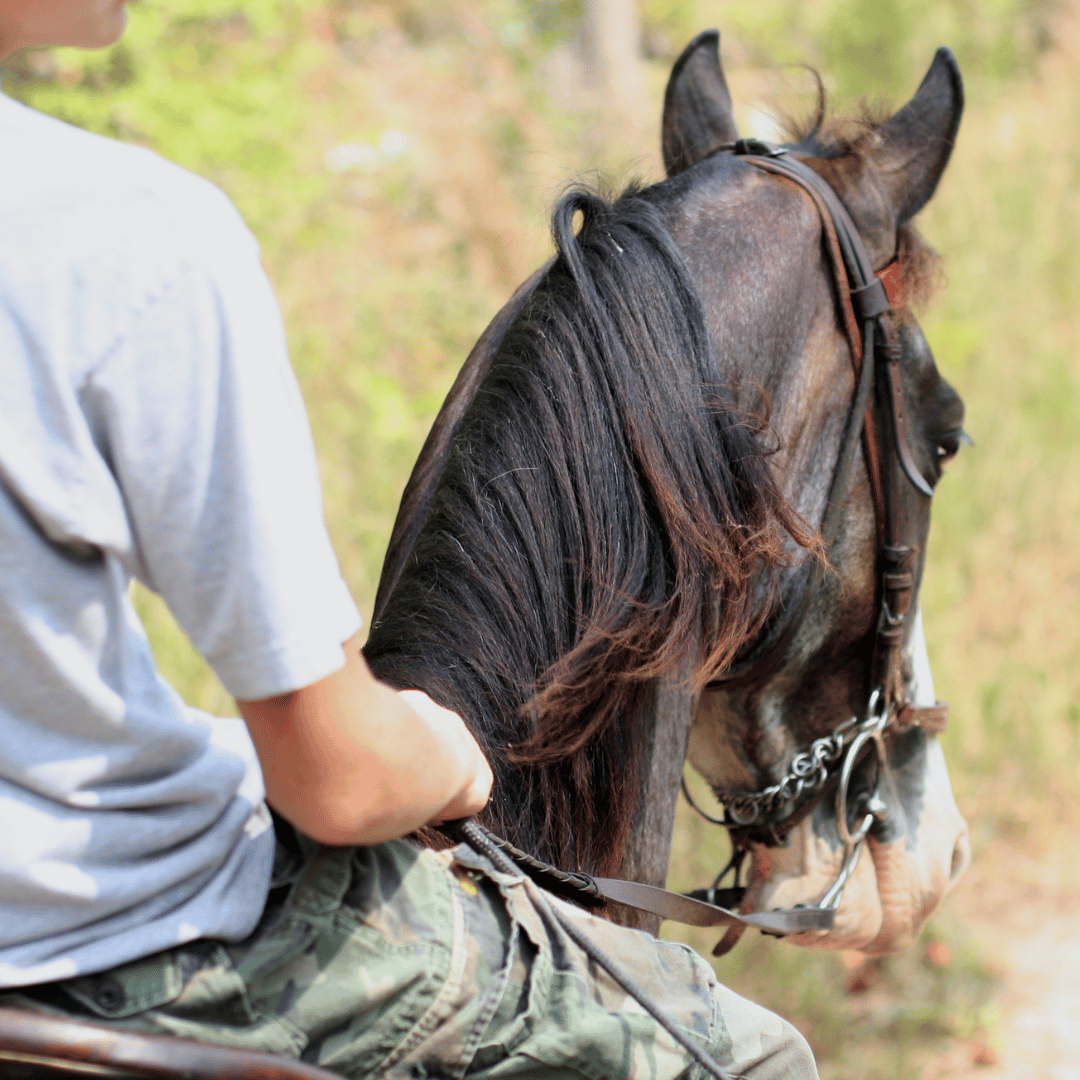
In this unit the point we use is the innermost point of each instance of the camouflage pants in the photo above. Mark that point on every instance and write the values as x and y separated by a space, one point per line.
393 962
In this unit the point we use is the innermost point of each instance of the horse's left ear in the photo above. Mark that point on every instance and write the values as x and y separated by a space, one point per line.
697 105
914 146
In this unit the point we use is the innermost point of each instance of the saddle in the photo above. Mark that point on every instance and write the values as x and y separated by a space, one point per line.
35 1046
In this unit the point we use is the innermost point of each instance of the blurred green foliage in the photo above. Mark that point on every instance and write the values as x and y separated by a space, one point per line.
216 87
396 160
866 47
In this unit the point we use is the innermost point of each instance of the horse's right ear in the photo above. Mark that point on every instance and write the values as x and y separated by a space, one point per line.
914 146
697 105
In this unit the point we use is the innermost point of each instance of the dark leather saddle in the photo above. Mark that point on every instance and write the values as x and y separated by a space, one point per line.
36 1046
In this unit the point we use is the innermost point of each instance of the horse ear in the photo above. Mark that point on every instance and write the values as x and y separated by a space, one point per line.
697 106
915 144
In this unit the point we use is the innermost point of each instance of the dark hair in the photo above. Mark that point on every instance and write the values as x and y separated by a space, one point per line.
603 519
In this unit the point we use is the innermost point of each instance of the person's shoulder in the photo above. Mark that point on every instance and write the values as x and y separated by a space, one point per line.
80 193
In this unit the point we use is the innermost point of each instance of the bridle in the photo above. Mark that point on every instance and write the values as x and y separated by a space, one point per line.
829 764
866 300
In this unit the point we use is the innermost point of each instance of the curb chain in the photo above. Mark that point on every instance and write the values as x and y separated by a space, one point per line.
809 770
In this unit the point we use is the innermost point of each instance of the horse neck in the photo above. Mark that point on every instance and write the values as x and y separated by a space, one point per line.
668 712
467 620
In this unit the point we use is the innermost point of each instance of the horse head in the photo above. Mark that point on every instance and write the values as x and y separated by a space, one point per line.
818 660
621 499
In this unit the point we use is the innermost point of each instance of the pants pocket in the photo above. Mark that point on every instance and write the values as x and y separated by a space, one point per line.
562 1016
193 981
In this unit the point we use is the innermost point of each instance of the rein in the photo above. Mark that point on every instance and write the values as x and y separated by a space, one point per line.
829 763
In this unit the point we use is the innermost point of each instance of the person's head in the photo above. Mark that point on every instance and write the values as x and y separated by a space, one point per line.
88 24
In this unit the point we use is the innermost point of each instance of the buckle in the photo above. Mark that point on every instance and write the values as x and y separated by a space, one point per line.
755 148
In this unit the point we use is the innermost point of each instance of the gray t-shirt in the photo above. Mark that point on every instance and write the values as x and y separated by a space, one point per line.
150 427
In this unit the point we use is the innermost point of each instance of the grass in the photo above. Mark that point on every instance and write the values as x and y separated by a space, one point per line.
396 161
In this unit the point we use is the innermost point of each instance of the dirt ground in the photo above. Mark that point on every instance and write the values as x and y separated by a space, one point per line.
1024 911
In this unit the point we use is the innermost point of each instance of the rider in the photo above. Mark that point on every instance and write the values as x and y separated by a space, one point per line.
151 428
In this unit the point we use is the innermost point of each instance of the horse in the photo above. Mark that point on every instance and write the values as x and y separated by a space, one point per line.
611 554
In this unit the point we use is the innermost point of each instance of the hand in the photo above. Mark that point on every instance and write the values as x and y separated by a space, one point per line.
473 767
348 760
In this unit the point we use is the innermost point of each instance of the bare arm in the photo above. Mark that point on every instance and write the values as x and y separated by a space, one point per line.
348 760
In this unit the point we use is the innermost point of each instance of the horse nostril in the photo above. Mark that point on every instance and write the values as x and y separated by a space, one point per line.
961 856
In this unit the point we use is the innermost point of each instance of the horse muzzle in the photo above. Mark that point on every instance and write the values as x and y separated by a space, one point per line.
906 863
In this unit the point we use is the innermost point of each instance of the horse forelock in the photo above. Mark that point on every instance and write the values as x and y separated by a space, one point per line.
603 520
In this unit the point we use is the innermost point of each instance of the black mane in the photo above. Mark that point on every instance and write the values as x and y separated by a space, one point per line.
597 525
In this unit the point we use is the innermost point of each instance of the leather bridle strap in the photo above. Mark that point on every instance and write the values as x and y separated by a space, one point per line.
857 287
865 301
864 298
830 210
844 248
869 295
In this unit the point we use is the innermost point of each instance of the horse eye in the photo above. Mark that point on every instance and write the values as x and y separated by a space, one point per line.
949 445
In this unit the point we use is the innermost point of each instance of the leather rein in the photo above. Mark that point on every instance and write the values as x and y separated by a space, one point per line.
829 763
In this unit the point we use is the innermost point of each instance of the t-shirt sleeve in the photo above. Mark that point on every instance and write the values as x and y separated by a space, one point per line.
201 419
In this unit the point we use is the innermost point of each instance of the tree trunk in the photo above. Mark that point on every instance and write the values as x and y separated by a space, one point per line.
612 46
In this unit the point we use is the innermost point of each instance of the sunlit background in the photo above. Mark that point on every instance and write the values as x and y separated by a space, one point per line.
397 161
